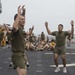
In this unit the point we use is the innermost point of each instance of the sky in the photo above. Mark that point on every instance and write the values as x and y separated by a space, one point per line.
39 11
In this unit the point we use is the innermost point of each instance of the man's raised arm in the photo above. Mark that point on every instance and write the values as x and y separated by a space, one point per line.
72 26
16 19
48 30
31 30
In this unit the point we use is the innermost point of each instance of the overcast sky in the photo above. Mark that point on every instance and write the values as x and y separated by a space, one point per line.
39 11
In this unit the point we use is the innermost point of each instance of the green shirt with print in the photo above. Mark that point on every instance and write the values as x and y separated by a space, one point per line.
18 41
60 37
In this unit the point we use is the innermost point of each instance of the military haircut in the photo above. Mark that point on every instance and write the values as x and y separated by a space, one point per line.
60 25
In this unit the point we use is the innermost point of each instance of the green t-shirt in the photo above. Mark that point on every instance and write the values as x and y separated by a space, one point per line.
60 37
18 41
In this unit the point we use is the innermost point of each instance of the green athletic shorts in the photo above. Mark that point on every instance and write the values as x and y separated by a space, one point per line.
60 50
18 60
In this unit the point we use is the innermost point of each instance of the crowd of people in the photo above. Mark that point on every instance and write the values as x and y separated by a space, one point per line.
32 42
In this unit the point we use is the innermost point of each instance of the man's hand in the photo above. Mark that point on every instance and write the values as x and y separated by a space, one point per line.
72 28
72 23
23 10
32 27
19 9
23 7
5 26
46 24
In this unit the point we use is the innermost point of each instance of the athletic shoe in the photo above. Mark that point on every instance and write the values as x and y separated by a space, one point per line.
64 70
57 69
